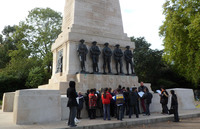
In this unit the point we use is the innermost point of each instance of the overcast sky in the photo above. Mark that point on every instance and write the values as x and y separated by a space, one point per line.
141 18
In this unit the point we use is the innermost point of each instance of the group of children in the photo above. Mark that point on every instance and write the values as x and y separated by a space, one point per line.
117 103
114 103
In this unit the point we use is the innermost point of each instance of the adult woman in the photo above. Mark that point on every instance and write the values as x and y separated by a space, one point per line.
174 105
72 103
164 100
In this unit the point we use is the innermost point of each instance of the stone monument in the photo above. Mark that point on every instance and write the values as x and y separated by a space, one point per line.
90 20
84 21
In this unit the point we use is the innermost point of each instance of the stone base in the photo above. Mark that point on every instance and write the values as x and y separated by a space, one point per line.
88 81
185 98
8 101
36 106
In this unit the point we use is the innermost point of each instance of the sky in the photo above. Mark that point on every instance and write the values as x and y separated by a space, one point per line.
141 18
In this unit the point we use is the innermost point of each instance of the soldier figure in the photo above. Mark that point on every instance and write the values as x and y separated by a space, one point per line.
118 54
95 52
107 53
59 62
82 52
128 55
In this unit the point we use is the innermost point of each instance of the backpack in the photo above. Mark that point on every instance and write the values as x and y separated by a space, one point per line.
119 99
149 97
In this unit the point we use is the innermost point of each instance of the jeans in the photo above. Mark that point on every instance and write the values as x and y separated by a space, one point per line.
72 115
119 112
106 111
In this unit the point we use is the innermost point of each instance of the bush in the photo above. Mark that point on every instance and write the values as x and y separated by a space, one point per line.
10 83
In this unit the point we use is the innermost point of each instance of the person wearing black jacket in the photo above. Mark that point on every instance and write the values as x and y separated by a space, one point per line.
174 105
126 96
147 97
72 103
86 98
164 100
133 99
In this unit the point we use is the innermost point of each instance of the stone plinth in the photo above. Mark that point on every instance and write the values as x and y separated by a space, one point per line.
36 106
88 81
8 101
185 98
155 105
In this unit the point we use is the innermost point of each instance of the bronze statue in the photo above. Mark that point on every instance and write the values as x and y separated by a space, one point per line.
82 52
94 53
107 53
118 54
128 55
59 62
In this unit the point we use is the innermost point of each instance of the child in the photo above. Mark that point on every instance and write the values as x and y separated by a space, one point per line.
80 105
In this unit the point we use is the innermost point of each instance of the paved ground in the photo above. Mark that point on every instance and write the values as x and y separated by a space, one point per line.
6 122
192 123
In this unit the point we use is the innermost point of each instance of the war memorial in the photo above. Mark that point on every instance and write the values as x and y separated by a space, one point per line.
93 51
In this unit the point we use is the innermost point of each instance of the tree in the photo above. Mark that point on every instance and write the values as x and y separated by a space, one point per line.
181 32
30 59
150 67
45 26
147 62
34 38
6 44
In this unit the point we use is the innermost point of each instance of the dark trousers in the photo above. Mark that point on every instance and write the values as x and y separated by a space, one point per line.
78 113
72 115
143 105
119 112
135 107
164 109
112 109
176 117
147 108
126 108
92 113
106 111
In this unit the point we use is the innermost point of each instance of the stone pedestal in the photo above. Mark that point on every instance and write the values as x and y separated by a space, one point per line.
36 106
8 101
185 98
88 81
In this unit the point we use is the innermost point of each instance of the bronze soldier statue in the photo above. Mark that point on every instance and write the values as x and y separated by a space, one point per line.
94 53
82 52
118 54
107 53
128 55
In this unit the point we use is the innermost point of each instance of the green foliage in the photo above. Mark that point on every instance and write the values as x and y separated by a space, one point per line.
147 61
25 50
10 83
45 27
150 67
181 32
35 77
6 44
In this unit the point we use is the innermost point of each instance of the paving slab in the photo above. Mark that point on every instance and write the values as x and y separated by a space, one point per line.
6 121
